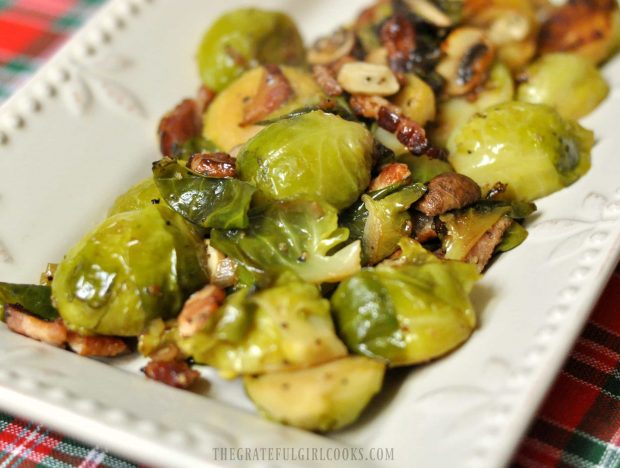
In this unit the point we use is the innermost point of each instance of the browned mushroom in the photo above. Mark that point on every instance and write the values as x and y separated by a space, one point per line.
446 192
331 48
483 250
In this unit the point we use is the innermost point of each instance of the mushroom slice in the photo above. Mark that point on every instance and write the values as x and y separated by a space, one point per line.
481 253
218 165
429 12
23 322
469 55
590 28
448 192
331 48
368 78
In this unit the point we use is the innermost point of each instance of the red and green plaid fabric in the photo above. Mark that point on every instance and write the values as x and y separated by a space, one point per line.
579 424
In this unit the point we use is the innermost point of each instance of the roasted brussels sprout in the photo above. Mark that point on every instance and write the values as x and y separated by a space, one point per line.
424 169
330 157
381 219
298 236
134 267
244 38
36 299
417 100
139 196
323 398
573 93
409 310
224 121
209 202
454 112
287 326
527 146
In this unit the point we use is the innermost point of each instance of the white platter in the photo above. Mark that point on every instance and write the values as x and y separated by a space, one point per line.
82 131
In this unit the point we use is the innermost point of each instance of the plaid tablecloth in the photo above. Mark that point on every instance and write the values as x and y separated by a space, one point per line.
579 424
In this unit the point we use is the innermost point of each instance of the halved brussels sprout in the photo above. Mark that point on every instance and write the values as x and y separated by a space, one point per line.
417 100
34 298
298 236
381 219
409 310
134 267
209 202
568 82
323 398
224 119
287 326
527 146
244 38
456 111
141 195
314 155
424 169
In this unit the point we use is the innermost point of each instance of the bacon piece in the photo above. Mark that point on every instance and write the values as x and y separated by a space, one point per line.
177 374
96 346
199 308
448 192
391 174
398 37
481 253
324 78
368 106
23 322
213 164
179 125
408 132
273 91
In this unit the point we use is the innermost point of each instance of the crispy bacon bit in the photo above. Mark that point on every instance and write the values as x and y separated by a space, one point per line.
204 98
406 130
328 82
177 374
199 308
398 37
423 227
390 174
448 192
481 253
23 322
273 91
581 26
213 164
179 125
96 346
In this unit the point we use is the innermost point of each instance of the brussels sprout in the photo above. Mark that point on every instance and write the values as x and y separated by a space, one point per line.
312 155
224 119
206 201
568 82
135 267
514 237
323 398
194 145
417 100
298 236
139 196
407 311
381 219
527 146
35 299
157 335
287 326
456 111
243 38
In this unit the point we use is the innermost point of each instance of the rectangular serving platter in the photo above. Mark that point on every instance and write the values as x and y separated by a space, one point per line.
83 130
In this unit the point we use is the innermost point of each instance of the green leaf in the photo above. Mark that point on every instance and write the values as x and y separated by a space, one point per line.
299 236
206 201
513 238
35 299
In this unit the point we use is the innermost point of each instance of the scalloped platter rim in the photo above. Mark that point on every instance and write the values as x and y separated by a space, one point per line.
81 131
